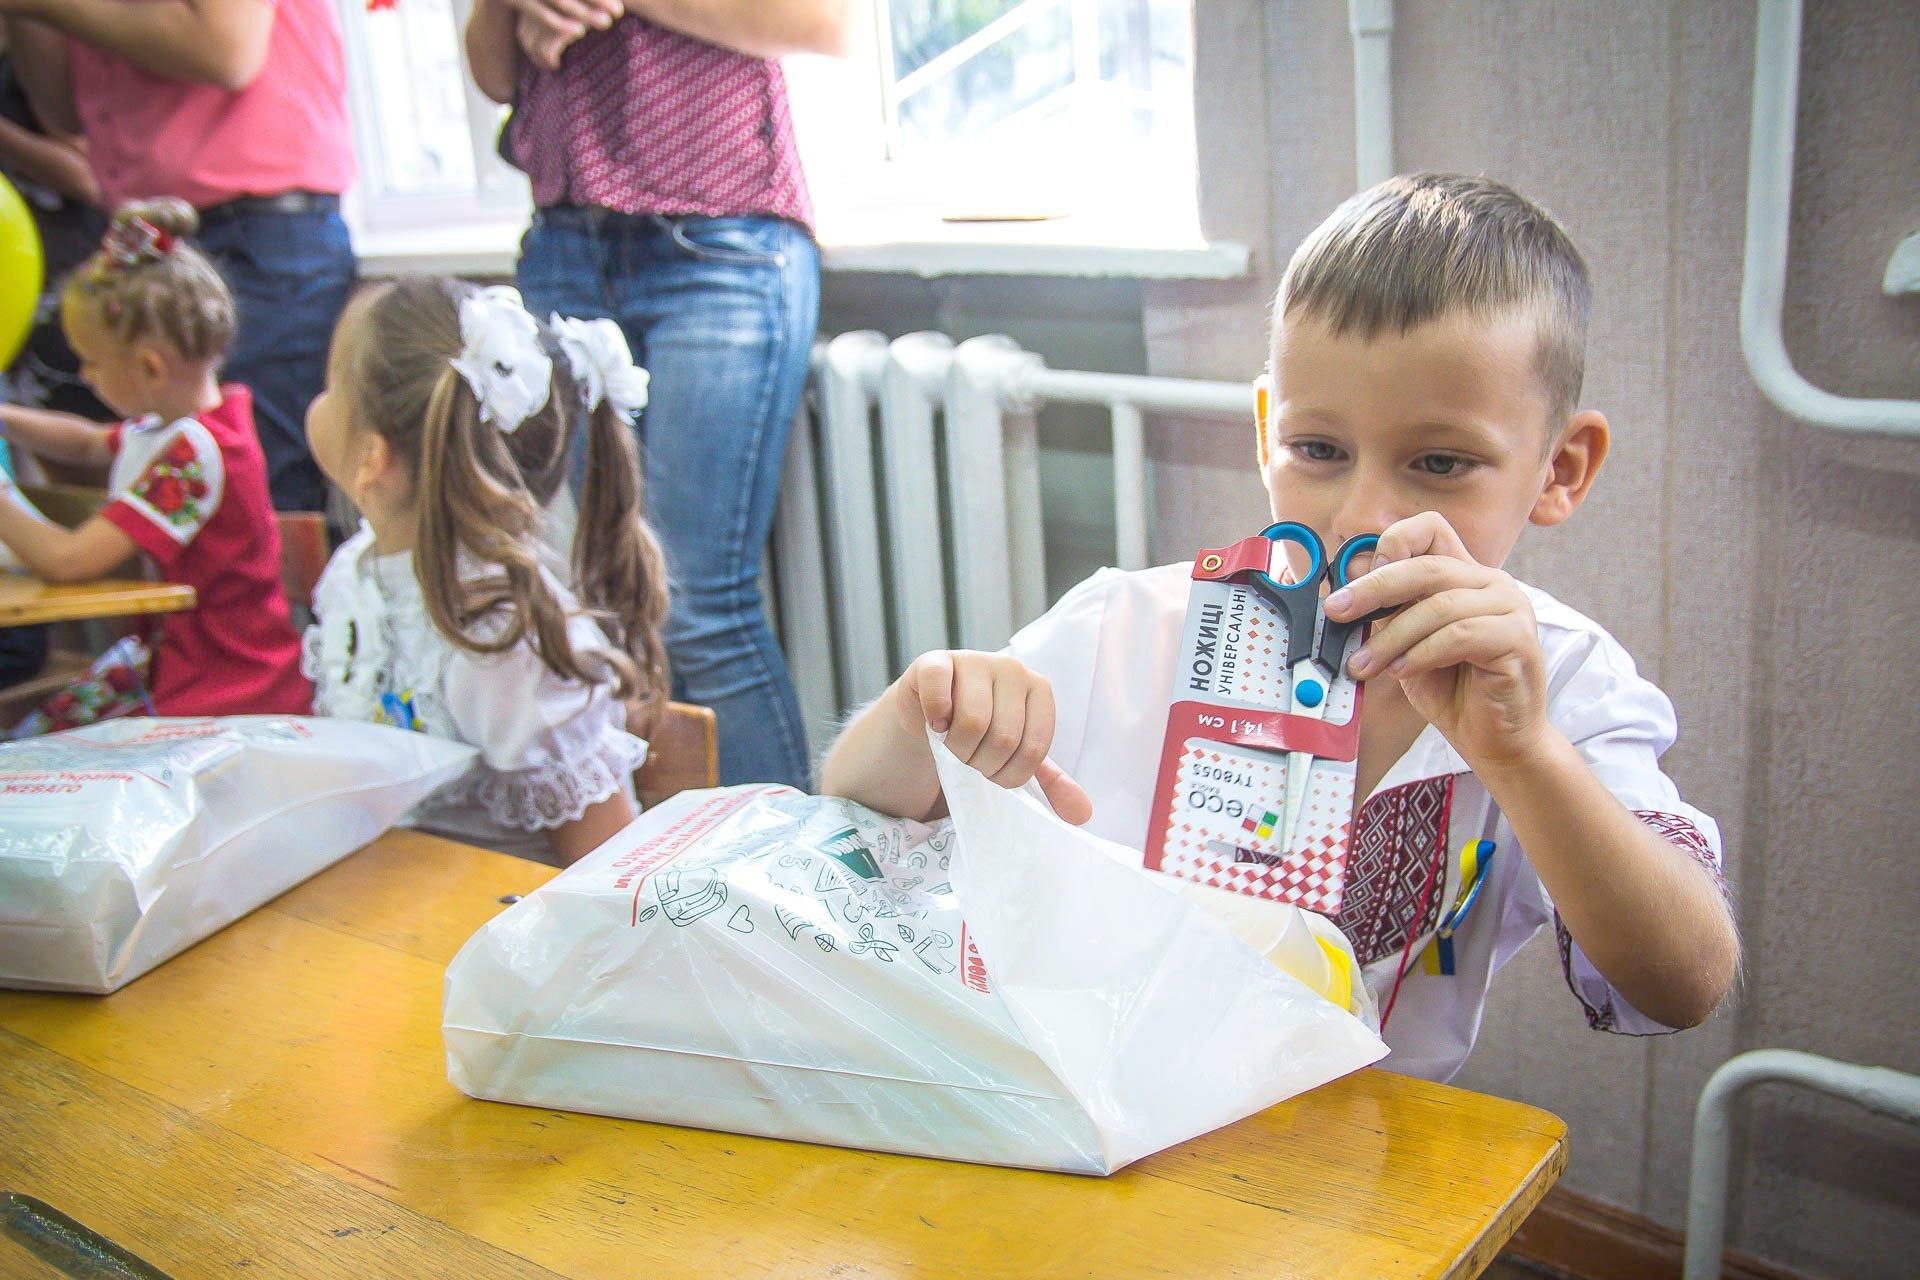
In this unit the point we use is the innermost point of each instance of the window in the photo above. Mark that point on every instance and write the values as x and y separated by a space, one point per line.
960 74
943 110
424 135
1006 109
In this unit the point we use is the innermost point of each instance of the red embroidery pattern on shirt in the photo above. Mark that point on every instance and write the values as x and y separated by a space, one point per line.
1683 835
1601 1017
1390 861
175 484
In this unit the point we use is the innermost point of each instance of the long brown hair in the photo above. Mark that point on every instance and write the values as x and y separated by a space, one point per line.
480 493
146 281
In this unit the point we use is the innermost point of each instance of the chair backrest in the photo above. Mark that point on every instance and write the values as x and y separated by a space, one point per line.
68 505
683 753
303 555
72 505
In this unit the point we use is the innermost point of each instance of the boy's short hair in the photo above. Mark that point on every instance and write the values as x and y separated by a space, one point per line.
1420 246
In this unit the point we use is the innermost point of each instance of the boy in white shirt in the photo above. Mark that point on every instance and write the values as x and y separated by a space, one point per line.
1428 348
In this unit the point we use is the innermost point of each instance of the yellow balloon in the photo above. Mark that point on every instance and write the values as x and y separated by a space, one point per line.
21 272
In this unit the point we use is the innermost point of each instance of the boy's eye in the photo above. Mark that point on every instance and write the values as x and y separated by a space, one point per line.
1314 450
1441 464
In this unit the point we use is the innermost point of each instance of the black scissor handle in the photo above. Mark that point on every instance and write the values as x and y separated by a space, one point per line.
1298 601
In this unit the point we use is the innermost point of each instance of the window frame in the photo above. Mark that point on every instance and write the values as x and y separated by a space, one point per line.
863 187
500 196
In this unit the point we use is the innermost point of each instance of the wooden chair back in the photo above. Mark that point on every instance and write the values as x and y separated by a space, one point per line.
67 505
683 753
303 555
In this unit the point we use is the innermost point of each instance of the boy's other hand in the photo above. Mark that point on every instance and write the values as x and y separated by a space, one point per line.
1463 643
998 718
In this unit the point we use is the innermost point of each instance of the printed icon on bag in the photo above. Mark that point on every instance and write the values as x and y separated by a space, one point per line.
868 944
850 851
932 951
792 922
687 896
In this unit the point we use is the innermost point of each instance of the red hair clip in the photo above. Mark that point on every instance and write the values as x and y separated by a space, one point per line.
130 243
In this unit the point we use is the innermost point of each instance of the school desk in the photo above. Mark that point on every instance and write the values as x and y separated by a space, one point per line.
25 600
274 1102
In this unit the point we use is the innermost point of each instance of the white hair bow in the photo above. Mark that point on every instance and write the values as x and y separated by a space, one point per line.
602 364
501 357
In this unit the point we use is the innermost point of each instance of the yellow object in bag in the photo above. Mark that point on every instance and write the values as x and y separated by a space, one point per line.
1301 944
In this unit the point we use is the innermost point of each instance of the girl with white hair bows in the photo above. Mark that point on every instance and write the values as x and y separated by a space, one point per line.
449 417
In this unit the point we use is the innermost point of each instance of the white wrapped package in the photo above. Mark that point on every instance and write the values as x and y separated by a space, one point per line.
125 842
1003 988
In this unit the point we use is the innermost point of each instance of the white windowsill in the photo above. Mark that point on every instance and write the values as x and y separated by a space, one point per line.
924 247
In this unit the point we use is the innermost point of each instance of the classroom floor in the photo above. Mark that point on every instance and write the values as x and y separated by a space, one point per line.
1508 1267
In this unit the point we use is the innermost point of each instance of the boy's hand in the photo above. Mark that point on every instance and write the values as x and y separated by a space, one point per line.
998 718
1463 645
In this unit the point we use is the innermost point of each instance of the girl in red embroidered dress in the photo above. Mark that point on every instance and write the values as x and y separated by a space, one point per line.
151 319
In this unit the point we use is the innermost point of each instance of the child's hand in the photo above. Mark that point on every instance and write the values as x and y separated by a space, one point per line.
998 718
1464 645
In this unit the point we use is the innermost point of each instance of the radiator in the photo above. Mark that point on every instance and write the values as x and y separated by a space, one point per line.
910 512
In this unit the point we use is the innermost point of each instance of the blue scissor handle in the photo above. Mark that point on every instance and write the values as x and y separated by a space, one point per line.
1343 558
1334 635
1307 540
1299 600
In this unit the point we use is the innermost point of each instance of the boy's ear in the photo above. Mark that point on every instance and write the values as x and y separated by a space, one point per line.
1573 467
1262 398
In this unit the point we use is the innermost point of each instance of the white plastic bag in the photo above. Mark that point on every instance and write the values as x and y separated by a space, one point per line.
125 842
1006 989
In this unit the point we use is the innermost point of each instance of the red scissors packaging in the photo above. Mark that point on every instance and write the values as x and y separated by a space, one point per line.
1255 788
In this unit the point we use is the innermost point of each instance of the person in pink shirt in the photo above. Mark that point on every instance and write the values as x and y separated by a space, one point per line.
237 107
150 319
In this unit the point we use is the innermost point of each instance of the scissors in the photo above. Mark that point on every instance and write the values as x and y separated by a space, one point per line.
1316 644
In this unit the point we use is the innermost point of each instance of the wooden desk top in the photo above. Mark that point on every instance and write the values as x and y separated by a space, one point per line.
276 1099
25 600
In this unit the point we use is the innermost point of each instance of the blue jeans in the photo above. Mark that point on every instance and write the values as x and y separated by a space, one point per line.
290 274
722 313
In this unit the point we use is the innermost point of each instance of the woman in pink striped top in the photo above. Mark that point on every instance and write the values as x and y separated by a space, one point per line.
669 198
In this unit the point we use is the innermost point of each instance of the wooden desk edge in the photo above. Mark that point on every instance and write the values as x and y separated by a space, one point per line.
146 598
1479 1255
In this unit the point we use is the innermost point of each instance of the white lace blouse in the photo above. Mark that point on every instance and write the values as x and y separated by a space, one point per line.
550 748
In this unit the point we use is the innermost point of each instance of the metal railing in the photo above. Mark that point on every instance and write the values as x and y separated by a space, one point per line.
1889 1092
